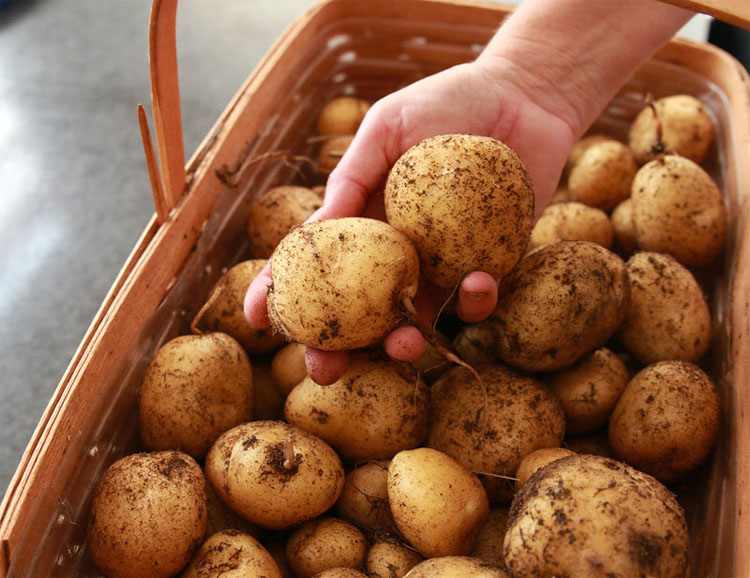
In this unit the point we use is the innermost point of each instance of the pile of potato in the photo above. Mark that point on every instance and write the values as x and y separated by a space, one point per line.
546 454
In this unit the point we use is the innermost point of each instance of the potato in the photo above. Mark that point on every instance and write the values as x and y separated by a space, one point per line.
572 222
375 410
431 363
589 390
274 474
455 566
390 559
331 152
465 202
537 459
226 313
274 213
341 284
438 505
592 516
596 444
195 388
475 344
489 546
268 401
561 194
678 209
288 367
364 500
676 124
561 302
602 176
342 115
325 543
220 517
625 238
489 426
148 515
581 146
666 420
667 317
340 573
231 554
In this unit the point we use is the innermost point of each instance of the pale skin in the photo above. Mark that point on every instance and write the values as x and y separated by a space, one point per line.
541 81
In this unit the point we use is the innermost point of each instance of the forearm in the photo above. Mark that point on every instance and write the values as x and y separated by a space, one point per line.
571 56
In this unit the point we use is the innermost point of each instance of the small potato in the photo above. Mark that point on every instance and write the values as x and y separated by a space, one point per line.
288 367
455 566
325 543
364 501
148 515
231 554
589 390
667 317
331 152
603 175
390 559
274 474
268 401
572 222
581 146
438 505
432 364
489 546
274 213
666 420
342 115
679 210
674 124
476 344
226 312
596 444
195 388
592 516
537 459
340 573
625 238
375 410
561 194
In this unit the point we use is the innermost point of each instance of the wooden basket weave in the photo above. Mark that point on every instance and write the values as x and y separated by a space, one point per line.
369 49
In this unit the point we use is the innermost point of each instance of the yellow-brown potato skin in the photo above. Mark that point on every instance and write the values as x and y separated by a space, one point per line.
667 317
685 128
581 146
490 426
364 500
268 401
390 559
537 459
288 367
593 516
342 115
274 213
465 202
220 517
148 515
195 388
340 573
331 152
602 176
625 238
231 554
572 222
323 544
375 410
561 302
252 471
455 566
340 284
678 209
489 546
475 344
666 420
226 313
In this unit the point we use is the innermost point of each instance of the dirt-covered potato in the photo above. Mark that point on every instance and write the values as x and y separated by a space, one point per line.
226 313
625 239
148 515
390 559
274 213
342 115
678 209
331 152
195 388
666 420
561 302
592 516
475 344
341 284
340 573
375 410
288 367
274 474
268 401
231 554
675 124
489 546
490 425
364 501
325 543
572 222
535 460
602 176
465 202
455 566
438 505
667 317
589 390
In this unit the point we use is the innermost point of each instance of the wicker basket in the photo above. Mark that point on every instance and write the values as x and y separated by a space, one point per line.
368 49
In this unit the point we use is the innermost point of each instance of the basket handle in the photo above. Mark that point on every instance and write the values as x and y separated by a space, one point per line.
735 12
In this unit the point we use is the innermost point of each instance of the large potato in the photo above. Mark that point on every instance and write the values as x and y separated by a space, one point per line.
602 176
489 426
455 566
148 515
375 410
465 202
572 222
561 302
274 474
595 517
341 284
231 554
325 543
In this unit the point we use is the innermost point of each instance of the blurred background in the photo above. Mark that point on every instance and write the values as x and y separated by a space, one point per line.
74 192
